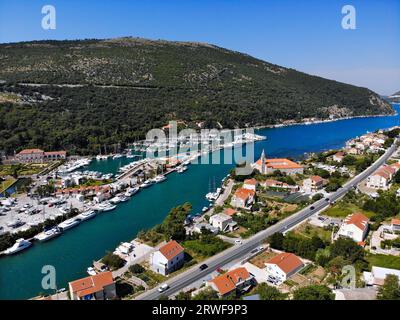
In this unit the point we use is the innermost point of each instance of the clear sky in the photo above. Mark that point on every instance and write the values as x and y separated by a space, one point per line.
303 34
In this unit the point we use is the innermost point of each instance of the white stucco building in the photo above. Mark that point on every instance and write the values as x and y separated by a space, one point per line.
355 227
168 258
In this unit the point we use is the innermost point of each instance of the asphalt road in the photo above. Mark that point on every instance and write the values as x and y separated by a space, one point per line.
193 274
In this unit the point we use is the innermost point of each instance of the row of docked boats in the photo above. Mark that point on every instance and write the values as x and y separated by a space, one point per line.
53 232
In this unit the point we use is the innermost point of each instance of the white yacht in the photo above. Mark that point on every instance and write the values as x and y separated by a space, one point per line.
87 215
68 224
123 198
115 200
91 271
101 157
131 191
181 169
147 183
211 196
106 206
48 234
117 156
19 245
160 178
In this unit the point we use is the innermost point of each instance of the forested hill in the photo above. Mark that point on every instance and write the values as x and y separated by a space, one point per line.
395 97
80 95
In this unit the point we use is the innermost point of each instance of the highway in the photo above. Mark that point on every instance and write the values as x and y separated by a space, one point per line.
193 274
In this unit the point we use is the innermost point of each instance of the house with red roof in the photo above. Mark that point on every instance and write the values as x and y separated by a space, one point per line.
39 156
243 198
250 184
98 287
395 225
355 227
381 178
338 157
168 258
236 280
282 266
313 184
283 165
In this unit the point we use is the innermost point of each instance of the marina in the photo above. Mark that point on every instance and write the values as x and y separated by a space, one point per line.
80 246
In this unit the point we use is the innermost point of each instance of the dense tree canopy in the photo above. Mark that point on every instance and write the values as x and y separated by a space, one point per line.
114 91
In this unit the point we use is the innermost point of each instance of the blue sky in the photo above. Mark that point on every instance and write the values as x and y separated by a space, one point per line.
305 35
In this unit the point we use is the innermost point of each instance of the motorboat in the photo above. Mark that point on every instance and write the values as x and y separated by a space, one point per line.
48 234
117 156
211 196
160 178
106 206
87 215
19 245
204 209
68 224
147 183
91 271
181 169
131 191
123 198
115 200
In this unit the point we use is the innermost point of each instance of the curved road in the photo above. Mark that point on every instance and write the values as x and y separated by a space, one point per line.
193 274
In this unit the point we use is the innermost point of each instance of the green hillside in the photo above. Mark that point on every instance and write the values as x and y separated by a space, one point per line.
80 95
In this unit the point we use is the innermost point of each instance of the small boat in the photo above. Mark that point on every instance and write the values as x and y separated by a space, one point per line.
117 156
204 209
68 224
48 234
87 215
181 169
131 191
19 245
91 271
115 200
160 178
101 157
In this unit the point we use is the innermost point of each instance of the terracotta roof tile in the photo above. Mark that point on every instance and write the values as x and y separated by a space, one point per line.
171 250
287 262
244 193
91 284
227 282
358 219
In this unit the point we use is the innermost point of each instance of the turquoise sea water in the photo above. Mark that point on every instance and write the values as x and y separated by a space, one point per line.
74 251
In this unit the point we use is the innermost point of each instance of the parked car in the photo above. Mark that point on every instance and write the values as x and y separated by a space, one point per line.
238 241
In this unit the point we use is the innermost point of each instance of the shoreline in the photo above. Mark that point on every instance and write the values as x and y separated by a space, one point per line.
306 123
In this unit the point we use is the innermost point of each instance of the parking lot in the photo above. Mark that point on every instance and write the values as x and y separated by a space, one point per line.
23 212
